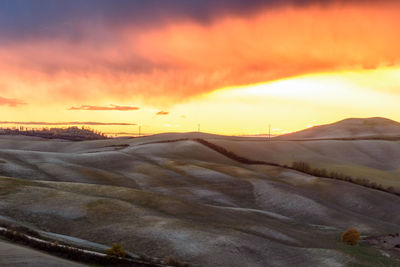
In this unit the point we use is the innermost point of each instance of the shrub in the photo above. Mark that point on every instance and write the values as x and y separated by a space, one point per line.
391 190
116 250
301 166
144 257
351 236
23 230
171 261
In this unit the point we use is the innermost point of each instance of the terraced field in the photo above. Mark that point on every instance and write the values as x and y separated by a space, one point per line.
184 199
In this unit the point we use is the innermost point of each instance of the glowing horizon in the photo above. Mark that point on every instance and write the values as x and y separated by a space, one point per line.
233 67
302 90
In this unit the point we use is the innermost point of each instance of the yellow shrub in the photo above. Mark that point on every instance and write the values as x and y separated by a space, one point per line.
171 261
351 236
116 250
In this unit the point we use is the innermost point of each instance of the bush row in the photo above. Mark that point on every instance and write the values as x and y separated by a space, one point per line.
70 133
302 167
232 155
306 168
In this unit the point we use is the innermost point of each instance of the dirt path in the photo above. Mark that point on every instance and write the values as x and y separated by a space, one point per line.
15 256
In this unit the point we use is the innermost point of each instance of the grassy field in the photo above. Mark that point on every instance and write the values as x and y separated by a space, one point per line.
187 200
375 160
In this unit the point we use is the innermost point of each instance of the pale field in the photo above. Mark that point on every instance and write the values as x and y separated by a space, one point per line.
184 199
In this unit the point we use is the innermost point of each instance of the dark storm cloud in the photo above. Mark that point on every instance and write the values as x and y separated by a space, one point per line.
50 18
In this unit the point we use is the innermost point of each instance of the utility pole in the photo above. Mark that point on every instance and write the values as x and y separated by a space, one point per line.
140 130
198 127
269 131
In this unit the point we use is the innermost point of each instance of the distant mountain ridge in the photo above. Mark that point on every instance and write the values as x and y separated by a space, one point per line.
352 128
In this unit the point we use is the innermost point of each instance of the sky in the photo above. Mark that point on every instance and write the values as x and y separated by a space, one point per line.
233 67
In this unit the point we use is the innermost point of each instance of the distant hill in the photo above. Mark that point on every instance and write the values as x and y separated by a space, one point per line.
70 133
353 128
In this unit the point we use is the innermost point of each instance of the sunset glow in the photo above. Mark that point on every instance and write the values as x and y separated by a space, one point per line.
234 70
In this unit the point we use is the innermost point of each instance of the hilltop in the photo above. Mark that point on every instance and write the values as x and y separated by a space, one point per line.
352 128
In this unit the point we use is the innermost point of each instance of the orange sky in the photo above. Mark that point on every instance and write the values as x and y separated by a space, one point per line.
336 60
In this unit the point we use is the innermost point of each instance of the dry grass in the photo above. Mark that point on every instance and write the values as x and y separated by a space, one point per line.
193 202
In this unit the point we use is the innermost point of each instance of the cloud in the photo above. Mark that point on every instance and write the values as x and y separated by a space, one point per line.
111 107
99 50
50 18
162 113
68 123
11 102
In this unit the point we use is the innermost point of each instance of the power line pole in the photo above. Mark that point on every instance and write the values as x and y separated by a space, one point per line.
198 127
269 132
140 130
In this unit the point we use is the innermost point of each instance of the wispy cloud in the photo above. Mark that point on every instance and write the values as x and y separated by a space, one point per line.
11 102
110 107
67 123
161 113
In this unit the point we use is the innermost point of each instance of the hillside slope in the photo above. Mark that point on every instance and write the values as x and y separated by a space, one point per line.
378 161
379 128
182 198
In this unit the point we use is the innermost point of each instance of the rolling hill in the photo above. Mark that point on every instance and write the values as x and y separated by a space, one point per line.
170 194
354 128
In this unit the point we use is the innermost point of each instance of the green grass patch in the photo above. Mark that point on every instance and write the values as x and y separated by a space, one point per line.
366 256
9 185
